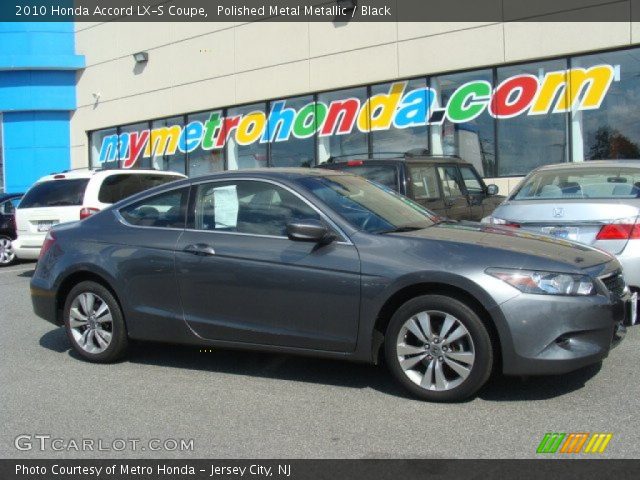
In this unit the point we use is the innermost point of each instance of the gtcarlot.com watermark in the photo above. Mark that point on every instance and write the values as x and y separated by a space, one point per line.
48 443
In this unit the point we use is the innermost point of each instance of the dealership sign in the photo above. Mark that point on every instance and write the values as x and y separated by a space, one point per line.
555 92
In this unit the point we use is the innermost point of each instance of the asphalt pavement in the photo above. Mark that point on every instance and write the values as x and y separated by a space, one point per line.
234 404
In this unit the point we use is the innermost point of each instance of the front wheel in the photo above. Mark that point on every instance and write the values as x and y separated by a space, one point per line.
94 323
7 254
438 348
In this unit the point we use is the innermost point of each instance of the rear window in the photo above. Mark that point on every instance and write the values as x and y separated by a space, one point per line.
116 187
55 193
386 175
608 182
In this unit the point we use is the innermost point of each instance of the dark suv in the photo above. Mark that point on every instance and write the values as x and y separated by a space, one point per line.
448 186
8 203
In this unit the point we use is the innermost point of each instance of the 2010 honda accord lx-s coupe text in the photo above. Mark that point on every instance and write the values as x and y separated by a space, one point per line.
329 264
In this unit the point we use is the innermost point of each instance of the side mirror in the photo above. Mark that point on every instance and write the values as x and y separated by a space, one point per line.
492 189
310 230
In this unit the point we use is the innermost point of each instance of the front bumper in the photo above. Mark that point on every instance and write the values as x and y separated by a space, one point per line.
561 334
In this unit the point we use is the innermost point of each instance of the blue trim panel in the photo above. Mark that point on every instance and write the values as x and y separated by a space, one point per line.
37 96
25 90
35 144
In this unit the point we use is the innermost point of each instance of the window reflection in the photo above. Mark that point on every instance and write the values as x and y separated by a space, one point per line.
202 161
252 155
295 151
613 130
352 145
529 141
472 141
397 141
164 141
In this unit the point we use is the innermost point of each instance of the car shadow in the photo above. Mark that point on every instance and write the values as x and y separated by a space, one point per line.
27 274
512 389
321 371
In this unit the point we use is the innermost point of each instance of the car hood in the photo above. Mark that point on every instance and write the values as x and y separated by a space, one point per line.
538 251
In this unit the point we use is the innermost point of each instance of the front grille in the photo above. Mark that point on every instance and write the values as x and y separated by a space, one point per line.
615 284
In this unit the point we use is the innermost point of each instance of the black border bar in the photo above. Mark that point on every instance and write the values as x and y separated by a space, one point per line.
578 469
337 11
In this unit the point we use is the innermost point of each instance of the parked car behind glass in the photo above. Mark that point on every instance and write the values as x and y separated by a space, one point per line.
324 263
75 195
8 203
595 202
447 186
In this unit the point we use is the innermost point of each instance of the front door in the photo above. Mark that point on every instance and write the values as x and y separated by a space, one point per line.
241 279
424 189
476 191
455 199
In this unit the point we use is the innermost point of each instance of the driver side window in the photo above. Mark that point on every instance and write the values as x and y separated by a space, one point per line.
249 206
166 210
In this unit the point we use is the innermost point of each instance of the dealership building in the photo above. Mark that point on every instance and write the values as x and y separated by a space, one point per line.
205 97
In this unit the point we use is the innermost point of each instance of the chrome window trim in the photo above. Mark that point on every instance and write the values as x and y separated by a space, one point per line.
345 238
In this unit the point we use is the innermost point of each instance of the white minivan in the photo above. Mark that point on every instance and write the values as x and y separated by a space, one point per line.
75 195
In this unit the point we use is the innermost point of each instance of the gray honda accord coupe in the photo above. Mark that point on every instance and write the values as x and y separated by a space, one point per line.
329 264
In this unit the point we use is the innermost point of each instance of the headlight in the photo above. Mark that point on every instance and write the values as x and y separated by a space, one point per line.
545 283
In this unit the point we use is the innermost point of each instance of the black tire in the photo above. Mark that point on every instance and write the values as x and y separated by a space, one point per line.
481 345
118 340
10 258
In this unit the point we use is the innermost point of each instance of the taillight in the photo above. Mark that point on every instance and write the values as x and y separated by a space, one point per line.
512 225
87 212
49 240
627 229
355 163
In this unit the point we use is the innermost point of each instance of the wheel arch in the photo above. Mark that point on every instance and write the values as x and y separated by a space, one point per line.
73 279
408 292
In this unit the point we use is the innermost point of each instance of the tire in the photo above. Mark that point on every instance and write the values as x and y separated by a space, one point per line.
94 323
7 255
422 361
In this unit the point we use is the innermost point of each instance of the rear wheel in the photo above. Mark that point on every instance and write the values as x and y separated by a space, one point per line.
438 348
94 323
7 254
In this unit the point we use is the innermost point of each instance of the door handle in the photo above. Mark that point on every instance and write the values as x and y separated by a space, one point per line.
201 249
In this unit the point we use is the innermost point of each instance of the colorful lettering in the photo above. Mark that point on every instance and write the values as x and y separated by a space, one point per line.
555 92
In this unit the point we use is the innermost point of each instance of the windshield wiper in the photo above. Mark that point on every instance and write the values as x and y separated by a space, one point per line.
401 229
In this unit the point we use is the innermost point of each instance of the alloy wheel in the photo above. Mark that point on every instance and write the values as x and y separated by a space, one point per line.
91 323
7 255
435 350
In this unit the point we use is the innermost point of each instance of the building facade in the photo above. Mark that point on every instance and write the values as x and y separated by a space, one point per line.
204 97
38 68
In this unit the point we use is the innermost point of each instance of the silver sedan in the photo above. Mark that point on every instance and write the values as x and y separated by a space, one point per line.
595 202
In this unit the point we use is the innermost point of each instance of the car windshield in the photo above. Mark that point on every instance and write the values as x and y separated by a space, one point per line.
368 206
607 182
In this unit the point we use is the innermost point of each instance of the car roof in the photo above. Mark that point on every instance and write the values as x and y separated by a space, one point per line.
438 159
98 172
7 196
628 163
274 173
271 173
